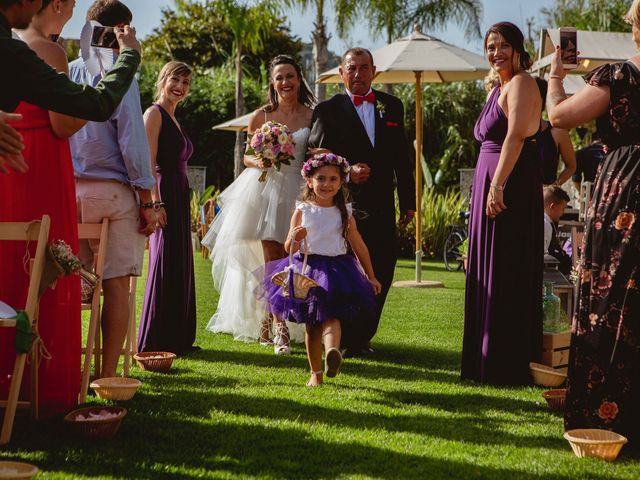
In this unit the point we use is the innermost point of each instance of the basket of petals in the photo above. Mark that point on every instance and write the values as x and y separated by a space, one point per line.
155 361
115 388
17 470
556 399
99 422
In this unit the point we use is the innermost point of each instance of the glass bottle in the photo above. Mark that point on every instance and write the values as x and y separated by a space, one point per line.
551 321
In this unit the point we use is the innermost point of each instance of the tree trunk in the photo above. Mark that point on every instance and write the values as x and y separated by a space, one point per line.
238 164
320 42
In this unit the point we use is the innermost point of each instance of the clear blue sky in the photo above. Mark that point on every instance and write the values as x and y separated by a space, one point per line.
146 16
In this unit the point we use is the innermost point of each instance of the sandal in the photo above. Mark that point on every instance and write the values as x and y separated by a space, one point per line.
265 331
332 362
319 384
281 340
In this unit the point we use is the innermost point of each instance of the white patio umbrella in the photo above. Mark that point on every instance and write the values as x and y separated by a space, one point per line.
238 124
421 59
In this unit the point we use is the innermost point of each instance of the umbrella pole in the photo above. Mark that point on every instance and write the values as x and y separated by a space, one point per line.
418 176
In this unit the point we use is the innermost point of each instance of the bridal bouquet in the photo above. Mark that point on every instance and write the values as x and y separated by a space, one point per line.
273 144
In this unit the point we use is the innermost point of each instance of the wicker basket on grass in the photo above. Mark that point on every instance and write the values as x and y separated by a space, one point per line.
546 376
17 470
97 428
593 442
116 388
155 361
556 399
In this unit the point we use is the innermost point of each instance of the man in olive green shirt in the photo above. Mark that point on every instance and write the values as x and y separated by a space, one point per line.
26 77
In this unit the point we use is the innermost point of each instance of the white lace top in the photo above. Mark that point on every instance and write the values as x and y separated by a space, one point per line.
324 229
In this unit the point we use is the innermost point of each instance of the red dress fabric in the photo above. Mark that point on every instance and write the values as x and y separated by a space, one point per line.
47 188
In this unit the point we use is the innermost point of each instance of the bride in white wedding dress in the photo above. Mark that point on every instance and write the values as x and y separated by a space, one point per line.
253 221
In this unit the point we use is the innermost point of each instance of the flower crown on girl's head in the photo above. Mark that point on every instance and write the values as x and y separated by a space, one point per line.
323 159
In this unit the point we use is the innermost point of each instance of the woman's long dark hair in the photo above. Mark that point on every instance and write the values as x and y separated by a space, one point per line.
514 36
341 198
305 95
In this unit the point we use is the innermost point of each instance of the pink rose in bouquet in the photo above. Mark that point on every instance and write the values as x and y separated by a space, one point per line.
273 144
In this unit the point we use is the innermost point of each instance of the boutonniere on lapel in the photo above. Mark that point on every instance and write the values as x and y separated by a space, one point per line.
381 108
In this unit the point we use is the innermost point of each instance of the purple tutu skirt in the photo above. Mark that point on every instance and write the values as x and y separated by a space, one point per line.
344 292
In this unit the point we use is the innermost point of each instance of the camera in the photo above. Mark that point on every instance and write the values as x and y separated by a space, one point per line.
104 37
569 47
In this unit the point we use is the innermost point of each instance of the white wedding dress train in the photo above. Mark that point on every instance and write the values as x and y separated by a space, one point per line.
251 211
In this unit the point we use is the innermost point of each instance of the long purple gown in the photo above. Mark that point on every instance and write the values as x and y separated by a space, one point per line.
168 320
503 298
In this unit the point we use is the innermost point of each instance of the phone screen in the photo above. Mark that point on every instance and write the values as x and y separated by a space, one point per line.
569 47
104 37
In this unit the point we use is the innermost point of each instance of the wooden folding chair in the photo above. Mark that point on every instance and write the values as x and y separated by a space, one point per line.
131 341
99 232
93 232
207 214
586 189
24 231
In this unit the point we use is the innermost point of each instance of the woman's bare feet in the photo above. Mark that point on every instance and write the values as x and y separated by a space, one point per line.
315 380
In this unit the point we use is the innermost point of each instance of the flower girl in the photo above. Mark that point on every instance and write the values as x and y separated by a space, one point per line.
338 289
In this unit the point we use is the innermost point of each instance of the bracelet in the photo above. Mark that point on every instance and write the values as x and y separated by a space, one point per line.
157 205
557 77
146 205
497 187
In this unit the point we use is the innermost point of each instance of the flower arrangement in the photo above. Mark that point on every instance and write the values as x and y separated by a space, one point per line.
381 107
61 253
60 261
273 144
323 159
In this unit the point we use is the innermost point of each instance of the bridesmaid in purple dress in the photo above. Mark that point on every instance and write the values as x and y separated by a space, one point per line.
503 304
168 320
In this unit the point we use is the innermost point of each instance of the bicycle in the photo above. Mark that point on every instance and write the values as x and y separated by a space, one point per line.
456 235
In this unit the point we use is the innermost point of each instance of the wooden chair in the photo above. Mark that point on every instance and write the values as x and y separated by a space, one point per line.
577 235
586 188
207 214
25 231
131 341
98 232
93 232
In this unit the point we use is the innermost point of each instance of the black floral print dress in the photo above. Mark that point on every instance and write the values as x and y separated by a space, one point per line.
604 365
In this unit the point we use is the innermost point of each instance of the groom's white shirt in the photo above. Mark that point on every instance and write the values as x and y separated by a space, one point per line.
367 113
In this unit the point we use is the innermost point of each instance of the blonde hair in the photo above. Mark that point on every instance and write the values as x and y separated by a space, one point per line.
633 14
172 68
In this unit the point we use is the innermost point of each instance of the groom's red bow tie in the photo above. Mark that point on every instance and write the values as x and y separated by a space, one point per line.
358 99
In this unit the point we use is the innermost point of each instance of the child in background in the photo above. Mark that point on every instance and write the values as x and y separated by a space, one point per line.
324 221
555 202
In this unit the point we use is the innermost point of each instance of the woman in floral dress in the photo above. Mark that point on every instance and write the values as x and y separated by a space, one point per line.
604 364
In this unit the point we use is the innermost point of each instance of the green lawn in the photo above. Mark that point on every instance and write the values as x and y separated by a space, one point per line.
235 410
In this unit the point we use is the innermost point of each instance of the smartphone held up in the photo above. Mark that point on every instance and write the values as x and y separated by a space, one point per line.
104 37
569 47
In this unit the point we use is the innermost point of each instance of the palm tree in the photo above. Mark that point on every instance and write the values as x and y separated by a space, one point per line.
319 36
394 17
249 25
